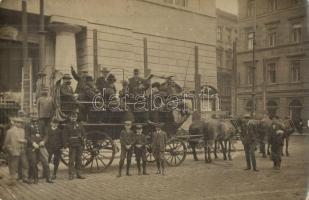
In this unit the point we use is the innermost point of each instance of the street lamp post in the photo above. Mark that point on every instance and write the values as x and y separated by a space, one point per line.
253 64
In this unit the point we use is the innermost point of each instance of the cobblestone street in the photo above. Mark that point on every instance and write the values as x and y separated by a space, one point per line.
192 180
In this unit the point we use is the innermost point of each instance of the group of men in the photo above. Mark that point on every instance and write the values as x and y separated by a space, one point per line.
40 140
257 131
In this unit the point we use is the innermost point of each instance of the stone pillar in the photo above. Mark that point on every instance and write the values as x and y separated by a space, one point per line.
65 47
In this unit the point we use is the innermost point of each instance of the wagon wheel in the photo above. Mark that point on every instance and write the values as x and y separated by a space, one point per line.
102 150
85 156
175 152
149 155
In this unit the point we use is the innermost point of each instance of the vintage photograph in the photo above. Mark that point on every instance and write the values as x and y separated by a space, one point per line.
154 100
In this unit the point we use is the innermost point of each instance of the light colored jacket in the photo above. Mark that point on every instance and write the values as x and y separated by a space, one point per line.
15 142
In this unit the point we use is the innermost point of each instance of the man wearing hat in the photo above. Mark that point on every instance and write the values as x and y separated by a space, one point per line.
66 95
39 83
249 137
15 145
80 78
276 141
159 140
140 149
101 82
45 110
74 133
127 142
37 140
54 144
137 85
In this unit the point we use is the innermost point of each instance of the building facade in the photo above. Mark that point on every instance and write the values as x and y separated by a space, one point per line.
226 36
281 57
118 34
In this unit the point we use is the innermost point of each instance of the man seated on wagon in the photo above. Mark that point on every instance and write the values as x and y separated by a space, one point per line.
101 82
170 87
67 99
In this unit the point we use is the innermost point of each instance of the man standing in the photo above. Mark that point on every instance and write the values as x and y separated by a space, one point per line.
67 98
37 140
74 140
80 78
140 149
137 85
265 132
101 82
45 110
159 140
276 141
54 144
15 146
249 136
127 142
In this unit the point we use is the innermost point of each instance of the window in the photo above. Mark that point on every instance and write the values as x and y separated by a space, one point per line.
182 3
229 35
296 33
219 59
250 38
249 74
272 39
229 59
250 8
272 73
295 71
219 33
272 5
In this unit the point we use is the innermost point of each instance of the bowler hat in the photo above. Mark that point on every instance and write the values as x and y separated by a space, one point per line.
104 69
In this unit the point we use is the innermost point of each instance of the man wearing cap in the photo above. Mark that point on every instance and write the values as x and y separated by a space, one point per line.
127 142
159 139
74 133
249 136
140 149
37 141
45 110
15 145
54 144
101 82
66 95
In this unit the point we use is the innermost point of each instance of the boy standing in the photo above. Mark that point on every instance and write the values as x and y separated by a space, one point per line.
127 142
140 149
74 136
54 144
276 142
15 146
159 140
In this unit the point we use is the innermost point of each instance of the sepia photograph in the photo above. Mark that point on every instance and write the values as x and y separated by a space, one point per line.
154 100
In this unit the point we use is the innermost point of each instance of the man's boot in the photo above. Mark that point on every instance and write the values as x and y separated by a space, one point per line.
79 176
158 166
163 168
144 168
128 167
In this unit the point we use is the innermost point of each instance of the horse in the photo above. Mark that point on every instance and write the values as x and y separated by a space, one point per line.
214 131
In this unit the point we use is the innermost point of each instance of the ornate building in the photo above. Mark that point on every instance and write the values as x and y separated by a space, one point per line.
117 34
226 36
281 57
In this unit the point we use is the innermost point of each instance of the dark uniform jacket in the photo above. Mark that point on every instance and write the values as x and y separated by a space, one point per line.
251 134
159 140
140 139
101 83
137 86
33 134
74 134
276 140
55 139
80 81
126 138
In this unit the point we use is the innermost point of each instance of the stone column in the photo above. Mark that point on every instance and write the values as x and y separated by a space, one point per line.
65 47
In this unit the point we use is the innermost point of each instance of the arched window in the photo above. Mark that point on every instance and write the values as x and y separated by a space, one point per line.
249 105
272 108
295 107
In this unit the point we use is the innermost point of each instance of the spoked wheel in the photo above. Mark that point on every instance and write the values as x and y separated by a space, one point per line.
149 154
101 152
175 152
85 156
